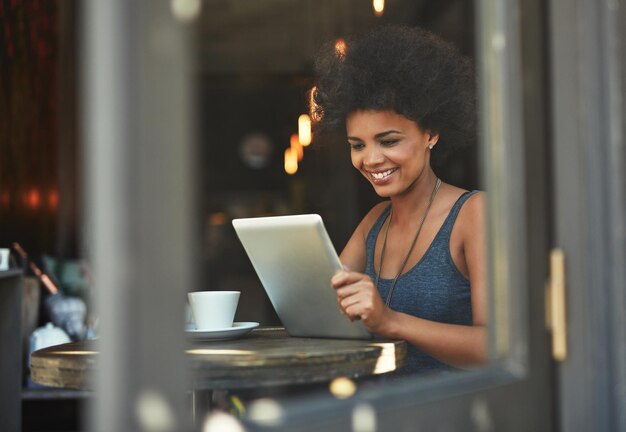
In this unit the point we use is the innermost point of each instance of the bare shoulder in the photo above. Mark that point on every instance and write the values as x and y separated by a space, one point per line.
371 217
353 255
472 214
375 212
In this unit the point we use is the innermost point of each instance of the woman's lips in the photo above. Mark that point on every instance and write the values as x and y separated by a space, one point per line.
381 177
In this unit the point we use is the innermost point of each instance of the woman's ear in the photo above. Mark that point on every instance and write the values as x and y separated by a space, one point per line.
433 137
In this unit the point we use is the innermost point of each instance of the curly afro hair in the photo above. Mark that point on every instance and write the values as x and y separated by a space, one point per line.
404 69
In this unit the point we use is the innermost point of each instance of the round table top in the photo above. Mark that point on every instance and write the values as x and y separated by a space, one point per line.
264 357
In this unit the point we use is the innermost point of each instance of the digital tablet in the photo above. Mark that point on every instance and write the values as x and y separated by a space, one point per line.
295 260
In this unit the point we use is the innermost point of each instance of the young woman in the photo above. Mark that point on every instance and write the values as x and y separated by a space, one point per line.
414 267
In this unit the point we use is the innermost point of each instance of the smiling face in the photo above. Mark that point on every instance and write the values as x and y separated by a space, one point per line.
390 150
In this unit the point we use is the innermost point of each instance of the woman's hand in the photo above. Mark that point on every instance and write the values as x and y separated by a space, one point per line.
359 299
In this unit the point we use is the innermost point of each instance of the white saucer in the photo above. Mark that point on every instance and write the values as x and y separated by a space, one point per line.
238 329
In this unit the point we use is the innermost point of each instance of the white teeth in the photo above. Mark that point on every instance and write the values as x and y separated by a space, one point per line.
382 175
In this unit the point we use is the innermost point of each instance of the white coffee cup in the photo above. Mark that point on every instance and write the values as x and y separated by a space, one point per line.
213 310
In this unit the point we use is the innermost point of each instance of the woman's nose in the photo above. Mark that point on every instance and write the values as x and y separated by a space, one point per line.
373 157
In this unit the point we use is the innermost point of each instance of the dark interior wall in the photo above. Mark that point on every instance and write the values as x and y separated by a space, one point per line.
37 146
69 155
28 123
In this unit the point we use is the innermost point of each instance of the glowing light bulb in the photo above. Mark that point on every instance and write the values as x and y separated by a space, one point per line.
379 7
33 198
304 129
291 161
340 47
296 147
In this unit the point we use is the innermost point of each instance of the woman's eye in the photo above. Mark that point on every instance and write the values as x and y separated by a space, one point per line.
388 143
356 146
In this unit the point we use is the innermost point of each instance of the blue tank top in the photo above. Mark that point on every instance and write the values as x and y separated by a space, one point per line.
433 289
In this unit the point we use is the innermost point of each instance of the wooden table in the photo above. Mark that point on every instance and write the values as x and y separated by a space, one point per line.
264 357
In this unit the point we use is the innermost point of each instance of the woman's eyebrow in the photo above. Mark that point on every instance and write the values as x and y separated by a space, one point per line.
385 133
377 136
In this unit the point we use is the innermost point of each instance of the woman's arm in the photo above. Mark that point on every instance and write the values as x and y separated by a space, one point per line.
457 345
